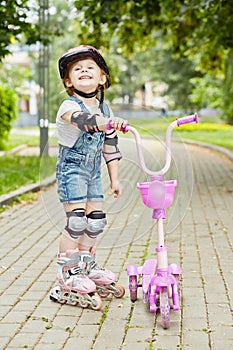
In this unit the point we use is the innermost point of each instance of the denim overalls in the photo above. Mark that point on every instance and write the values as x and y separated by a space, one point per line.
78 169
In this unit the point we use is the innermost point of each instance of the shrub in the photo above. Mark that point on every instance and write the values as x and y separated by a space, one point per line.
8 112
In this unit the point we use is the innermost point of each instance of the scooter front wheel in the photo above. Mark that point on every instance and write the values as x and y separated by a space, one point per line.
164 307
133 288
177 277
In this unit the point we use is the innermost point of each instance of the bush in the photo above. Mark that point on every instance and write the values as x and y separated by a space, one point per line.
8 112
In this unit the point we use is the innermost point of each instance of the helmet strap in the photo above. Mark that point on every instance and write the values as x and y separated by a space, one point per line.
101 98
93 94
86 95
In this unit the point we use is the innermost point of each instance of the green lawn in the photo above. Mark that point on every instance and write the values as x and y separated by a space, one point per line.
17 171
18 138
208 130
27 136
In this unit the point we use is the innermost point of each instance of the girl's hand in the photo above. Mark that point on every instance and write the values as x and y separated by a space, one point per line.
116 189
118 123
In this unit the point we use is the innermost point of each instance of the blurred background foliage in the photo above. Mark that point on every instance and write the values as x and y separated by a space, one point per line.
185 45
184 48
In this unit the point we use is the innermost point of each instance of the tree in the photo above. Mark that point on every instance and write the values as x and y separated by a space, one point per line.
19 23
199 31
62 10
186 25
13 23
132 21
8 112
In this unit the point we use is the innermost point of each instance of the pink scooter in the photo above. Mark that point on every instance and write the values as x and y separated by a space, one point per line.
160 282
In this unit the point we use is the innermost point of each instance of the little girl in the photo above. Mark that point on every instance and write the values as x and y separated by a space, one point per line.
83 121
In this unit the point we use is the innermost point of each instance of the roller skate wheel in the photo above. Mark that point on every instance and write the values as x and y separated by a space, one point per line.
83 302
103 293
55 295
96 302
120 292
53 299
72 300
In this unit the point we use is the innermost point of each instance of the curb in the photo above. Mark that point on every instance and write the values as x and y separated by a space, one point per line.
14 150
8 198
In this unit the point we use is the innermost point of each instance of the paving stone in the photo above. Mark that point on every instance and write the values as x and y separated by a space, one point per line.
199 236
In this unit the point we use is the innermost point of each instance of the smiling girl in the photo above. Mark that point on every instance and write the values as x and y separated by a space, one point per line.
83 138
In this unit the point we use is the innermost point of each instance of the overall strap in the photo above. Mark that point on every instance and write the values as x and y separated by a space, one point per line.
81 104
106 110
84 108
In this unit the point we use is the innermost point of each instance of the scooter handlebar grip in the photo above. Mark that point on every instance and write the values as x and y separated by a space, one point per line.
123 129
109 125
188 119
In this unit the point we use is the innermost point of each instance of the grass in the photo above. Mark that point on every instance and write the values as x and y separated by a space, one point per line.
17 171
17 139
23 198
28 136
208 130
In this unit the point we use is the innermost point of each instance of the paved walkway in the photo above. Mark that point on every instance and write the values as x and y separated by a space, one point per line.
199 236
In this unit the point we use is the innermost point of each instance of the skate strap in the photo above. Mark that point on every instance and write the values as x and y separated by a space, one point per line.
94 266
75 270
85 257
89 260
63 259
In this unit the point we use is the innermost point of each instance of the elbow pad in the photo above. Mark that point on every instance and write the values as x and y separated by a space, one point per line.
85 121
112 140
109 156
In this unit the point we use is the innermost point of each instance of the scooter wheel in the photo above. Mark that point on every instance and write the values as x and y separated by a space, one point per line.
177 277
164 308
133 288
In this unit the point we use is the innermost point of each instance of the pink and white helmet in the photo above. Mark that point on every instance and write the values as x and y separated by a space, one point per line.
82 52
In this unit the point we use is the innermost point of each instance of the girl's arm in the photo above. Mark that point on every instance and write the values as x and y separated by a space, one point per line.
92 122
112 155
116 187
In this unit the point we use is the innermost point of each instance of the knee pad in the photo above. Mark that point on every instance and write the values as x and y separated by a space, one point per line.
76 222
96 222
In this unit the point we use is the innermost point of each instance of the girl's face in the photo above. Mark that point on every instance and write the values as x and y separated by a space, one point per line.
85 75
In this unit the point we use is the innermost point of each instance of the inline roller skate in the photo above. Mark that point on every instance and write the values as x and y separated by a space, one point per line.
75 288
104 279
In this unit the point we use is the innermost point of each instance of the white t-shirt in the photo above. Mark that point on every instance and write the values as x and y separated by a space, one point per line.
67 132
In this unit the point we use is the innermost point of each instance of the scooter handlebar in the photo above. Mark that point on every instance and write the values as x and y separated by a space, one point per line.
185 120
188 119
193 118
